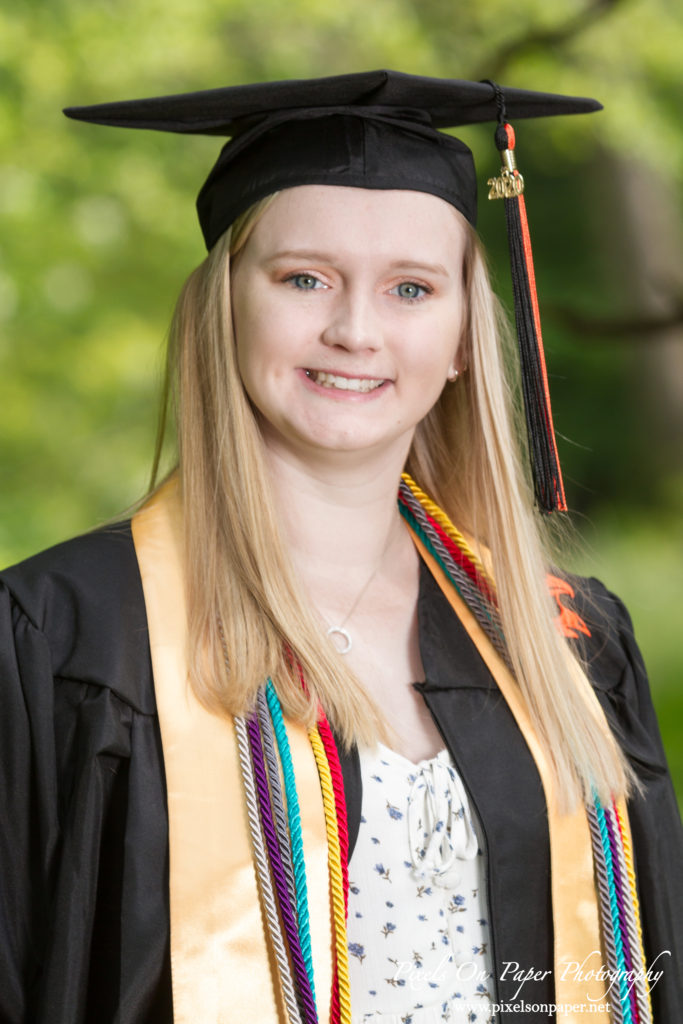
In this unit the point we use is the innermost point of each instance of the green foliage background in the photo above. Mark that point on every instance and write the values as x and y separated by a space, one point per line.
97 233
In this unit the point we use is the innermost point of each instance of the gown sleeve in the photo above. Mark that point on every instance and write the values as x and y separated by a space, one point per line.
83 843
620 681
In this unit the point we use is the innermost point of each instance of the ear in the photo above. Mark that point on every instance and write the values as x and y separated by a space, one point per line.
457 364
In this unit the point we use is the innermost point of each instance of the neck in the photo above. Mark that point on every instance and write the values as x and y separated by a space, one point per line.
340 521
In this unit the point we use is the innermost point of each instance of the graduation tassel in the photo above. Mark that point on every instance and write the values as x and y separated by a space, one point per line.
509 186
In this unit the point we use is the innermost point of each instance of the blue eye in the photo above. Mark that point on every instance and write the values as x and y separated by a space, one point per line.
306 282
410 290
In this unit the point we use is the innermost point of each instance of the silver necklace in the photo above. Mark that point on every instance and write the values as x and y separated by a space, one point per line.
340 630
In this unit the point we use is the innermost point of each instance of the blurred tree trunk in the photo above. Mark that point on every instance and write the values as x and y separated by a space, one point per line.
639 245
657 267
646 254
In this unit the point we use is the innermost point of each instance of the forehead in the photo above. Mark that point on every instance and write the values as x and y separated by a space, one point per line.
361 221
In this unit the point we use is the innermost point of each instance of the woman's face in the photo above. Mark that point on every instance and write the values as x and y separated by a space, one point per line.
347 310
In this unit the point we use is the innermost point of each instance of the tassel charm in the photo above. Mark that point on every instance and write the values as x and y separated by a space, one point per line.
509 182
509 186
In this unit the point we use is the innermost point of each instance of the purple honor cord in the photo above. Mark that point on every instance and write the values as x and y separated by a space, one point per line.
279 876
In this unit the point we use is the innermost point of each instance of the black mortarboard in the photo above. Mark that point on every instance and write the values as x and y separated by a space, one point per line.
378 130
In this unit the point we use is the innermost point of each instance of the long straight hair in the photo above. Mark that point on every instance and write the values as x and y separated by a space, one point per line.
249 619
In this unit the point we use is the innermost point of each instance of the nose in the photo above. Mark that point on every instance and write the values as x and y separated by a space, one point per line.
354 322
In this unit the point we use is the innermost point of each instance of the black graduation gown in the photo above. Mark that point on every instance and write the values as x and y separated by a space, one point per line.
84 917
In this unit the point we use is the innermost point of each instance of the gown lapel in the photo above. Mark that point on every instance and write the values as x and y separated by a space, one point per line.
505 790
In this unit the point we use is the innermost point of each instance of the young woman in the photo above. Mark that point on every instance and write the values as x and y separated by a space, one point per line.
314 737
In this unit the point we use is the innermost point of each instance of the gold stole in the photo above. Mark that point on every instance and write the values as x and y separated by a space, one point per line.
576 922
222 970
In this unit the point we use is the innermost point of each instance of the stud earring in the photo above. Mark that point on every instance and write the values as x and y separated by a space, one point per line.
453 376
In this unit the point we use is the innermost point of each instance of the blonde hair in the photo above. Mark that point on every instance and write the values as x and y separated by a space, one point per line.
248 617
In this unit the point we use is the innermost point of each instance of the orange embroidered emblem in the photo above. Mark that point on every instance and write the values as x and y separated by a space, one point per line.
568 622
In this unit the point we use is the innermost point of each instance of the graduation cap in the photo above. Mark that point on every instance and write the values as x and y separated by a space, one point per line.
377 130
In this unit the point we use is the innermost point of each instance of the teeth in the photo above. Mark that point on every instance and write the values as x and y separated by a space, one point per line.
329 380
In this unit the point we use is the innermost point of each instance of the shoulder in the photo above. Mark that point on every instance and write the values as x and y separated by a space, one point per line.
83 601
600 629
76 566
597 621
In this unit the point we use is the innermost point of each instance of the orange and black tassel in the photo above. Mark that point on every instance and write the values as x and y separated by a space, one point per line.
545 462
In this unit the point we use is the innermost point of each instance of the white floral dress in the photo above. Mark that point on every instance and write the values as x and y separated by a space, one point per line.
418 932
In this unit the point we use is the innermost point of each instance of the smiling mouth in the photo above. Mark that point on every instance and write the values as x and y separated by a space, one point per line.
330 380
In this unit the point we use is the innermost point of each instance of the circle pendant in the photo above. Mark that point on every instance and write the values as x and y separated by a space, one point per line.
340 631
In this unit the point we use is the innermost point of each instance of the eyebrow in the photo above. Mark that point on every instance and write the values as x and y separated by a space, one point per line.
323 257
